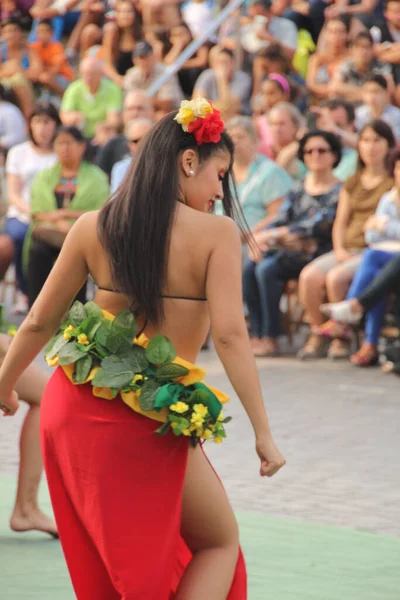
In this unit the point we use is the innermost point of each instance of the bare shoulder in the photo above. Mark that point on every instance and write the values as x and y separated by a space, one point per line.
84 230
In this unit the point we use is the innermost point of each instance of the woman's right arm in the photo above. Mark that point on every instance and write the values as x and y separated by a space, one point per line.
14 189
319 89
229 332
109 41
340 225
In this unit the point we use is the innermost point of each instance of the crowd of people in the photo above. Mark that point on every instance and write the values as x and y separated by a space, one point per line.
310 93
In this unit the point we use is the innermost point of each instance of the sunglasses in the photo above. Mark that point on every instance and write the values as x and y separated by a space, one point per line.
135 141
317 150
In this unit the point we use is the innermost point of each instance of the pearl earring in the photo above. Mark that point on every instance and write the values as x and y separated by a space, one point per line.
191 172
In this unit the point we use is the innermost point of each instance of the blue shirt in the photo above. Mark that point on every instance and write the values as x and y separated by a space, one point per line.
118 173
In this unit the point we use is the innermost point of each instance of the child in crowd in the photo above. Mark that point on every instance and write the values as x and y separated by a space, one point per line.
56 73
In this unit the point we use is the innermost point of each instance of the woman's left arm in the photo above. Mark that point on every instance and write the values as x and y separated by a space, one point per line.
64 282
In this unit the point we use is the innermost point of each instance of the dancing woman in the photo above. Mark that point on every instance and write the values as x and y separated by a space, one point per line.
140 515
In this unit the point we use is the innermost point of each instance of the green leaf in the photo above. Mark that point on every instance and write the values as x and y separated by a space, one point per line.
227 420
58 343
89 326
77 314
148 394
170 371
103 332
136 359
163 430
112 374
160 350
199 397
119 343
125 321
69 354
82 368
93 310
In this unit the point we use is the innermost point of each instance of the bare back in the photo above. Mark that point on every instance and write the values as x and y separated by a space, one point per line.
187 320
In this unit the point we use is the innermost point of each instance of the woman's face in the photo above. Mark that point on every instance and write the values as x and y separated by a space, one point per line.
12 35
283 130
336 34
180 34
124 14
373 148
68 149
272 94
43 129
204 188
245 144
318 155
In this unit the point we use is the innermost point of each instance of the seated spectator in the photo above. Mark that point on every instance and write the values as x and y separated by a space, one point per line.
89 29
376 105
180 37
349 77
199 15
60 195
367 12
301 232
323 65
223 84
24 162
273 60
264 29
260 184
145 72
134 131
119 41
136 106
274 90
308 15
64 15
6 254
331 275
286 126
368 302
386 36
338 117
18 65
55 71
382 234
12 123
91 99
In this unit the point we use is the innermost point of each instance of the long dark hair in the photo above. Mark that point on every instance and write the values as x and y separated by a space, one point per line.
134 226
384 131
46 109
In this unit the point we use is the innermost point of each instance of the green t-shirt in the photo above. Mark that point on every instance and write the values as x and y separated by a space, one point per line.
77 97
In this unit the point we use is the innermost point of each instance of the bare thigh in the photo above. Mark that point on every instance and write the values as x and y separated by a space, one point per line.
207 517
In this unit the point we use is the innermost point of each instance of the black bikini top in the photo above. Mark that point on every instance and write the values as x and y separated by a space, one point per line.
162 295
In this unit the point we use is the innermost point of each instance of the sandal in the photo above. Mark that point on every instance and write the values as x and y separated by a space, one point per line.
265 349
339 350
366 356
333 329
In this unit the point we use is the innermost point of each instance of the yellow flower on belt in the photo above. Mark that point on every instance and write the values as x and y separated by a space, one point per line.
83 339
200 409
179 407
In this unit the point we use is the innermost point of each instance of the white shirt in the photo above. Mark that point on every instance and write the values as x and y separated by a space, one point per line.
283 30
198 17
12 125
25 161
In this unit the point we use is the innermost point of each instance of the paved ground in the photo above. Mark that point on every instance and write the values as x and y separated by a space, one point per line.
332 515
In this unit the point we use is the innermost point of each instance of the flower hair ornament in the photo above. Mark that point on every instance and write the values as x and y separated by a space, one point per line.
199 118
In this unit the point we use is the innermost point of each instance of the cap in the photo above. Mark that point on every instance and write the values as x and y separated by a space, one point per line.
142 49
266 4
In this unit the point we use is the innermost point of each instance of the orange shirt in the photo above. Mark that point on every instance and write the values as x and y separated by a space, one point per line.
53 55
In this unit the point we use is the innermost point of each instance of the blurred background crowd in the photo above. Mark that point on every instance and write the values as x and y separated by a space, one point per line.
310 93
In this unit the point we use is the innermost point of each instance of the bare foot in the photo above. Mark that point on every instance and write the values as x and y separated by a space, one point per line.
267 347
35 520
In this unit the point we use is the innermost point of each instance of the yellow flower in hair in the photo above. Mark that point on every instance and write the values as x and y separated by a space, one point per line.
52 362
83 339
179 407
200 409
191 110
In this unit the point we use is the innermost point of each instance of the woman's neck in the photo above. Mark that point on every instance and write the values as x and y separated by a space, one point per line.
320 179
42 149
375 170
70 171
336 51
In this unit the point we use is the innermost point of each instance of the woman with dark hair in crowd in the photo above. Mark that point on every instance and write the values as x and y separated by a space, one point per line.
331 275
180 37
24 162
119 40
60 195
382 234
121 494
301 232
